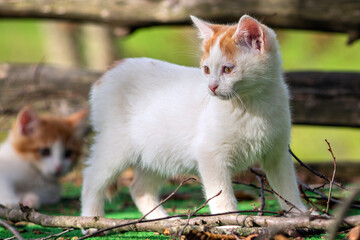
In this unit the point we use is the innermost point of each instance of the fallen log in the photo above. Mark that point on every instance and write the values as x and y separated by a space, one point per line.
174 225
318 98
320 15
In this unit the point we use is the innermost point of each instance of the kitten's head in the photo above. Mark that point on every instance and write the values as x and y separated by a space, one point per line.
51 144
241 58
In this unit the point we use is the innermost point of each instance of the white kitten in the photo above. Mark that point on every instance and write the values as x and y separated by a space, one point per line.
163 119
37 152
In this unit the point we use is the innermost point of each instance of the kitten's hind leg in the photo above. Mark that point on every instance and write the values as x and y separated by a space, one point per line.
280 173
105 164
144 191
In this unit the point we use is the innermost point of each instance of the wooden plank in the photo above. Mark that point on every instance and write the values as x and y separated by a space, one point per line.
323 15
318 98
325 98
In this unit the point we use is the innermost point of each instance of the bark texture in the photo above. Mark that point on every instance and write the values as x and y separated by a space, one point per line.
323 15
318 98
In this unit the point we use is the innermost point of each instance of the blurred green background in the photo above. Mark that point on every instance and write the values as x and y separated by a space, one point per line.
27 41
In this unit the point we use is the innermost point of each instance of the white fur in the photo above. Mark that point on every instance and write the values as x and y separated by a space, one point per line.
160 119
32 183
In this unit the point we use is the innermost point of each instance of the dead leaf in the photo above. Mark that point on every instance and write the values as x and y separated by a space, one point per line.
166 232
280 237
354 233
199 235
252 236
37 232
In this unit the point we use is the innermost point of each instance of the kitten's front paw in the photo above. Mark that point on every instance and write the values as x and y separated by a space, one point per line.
31 200
89 231
94 230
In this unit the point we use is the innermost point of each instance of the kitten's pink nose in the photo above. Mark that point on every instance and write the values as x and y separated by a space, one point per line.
213 87
58 170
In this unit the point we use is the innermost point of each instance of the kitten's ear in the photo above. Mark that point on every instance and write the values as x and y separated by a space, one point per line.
206 29
77 118
77 121
249 33
27 121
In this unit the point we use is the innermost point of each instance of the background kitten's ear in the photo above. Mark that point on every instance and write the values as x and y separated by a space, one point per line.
205 29
77 120
249 33
27 121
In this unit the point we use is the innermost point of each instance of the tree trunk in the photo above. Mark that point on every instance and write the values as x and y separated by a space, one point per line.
322 15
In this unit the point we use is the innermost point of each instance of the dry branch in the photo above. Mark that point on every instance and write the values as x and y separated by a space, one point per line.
11 229
160 225
320 98
323 15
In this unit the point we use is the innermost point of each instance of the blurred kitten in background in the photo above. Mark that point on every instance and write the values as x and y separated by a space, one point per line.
37 151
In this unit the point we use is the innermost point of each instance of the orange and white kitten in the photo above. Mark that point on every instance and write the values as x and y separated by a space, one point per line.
163 119
37 151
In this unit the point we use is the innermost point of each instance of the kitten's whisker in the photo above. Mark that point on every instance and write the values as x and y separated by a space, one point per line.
239 98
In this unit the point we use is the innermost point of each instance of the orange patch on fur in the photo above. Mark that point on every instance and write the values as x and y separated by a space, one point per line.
47 132
227 43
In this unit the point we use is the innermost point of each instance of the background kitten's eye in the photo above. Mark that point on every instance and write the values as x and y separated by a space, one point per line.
227 69
68 153
45 152
206 69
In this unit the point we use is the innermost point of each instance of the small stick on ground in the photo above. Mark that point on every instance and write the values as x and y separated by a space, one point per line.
316 172
11 229
307 199
196 211
262 195
143 217
332 178
250 185
341 213
57 234
323 196
286 201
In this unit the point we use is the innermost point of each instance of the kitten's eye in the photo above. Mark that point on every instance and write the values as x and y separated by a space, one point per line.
68 153
227 69
206 69
45 152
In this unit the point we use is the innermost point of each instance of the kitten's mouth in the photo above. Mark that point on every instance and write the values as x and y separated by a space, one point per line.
224 97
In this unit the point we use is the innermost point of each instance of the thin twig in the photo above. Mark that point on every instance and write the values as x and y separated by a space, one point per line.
316 172
341 213
167 198
250 185
57 234
10 238
332 178
279 196
262 195
140 219
272 190
323 196
11 229
307 199
196 211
